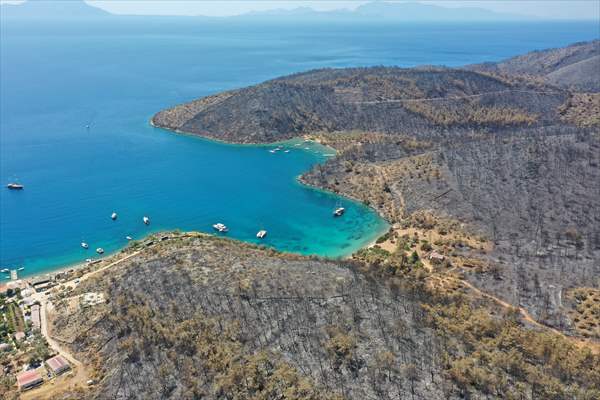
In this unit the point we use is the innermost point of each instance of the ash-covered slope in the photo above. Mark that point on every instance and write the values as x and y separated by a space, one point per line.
217 319
421 102
576 66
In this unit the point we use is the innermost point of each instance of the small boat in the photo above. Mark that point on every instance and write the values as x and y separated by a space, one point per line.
339 212
100 250
273 151
6 270
146 220
261 234
20 269
113 216
85 245
286 151
88 260
221 227
128 237
15 186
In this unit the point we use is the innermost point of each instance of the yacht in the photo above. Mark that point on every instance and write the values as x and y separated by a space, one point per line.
261 234
220 227
339 212
85 245
100 250
146 220
113 216
15 186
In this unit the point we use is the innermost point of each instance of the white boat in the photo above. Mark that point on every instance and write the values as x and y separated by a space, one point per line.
99 250
261 234
85 245
146 220
20 269
5 270
339 212
113 216
272 151
15 186
221 227
286 151
88 260
128 237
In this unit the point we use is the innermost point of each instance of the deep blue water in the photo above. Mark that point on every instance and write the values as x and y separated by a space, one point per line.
57 77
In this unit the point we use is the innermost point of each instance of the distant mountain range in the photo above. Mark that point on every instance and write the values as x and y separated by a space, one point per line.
410 11
52 10
376 10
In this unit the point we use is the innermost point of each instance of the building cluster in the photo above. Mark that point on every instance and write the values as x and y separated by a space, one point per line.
54 366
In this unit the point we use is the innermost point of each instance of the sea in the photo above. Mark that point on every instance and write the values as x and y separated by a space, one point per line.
76 97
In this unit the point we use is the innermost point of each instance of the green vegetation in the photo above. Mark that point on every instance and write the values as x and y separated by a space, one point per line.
497 356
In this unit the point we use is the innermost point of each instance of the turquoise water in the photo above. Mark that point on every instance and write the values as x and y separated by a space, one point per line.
58 77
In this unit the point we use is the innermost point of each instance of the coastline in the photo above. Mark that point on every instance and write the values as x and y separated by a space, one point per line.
73 267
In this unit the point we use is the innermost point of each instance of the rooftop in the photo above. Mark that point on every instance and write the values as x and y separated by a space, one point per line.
28 378
57 364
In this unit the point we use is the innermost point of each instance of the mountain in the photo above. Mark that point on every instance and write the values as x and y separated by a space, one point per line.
60 9
393 11
576 66
374 11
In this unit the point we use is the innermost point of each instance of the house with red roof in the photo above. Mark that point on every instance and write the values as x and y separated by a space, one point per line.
29 379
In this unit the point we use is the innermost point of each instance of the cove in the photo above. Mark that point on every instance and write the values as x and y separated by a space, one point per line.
59 77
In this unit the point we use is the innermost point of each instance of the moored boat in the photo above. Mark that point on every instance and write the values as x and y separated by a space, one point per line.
100 250
146 220
113 216
220 227
339 212
85 245
128 237
261 234
15 186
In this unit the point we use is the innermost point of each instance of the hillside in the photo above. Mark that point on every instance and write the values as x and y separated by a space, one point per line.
504 157
203 317
576 66
420 102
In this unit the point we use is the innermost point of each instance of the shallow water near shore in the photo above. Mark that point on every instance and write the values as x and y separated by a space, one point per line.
58 78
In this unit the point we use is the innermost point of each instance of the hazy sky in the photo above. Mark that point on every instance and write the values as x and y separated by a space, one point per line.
574 9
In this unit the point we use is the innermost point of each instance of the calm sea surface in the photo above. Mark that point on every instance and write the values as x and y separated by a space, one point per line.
58 77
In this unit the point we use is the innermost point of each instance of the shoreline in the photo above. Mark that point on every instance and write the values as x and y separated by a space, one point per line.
299 180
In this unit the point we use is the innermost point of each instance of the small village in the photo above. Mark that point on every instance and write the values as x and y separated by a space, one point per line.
30 358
